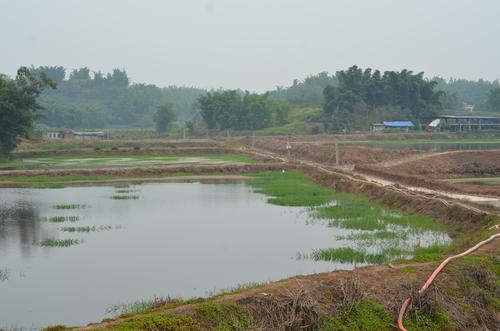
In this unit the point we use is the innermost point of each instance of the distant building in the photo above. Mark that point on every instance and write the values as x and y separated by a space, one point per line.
468 108
70 134
460 123
392 126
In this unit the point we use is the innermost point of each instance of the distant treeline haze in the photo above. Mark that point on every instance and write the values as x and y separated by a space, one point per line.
347 100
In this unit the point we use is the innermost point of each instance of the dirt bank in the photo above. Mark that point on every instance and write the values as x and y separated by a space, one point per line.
348 155
133 172
364 299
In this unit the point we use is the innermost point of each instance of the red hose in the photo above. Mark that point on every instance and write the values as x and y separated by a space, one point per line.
429 281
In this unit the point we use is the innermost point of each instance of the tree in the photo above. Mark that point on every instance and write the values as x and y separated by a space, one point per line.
18 105
164 116
80 74
494 99
56 73
360 94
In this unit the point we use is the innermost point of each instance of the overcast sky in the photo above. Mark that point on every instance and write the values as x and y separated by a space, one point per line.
251 44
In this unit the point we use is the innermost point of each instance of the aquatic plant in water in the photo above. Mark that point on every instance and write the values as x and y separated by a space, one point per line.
69 206
380 235
61 219
124 197
59 242
86 228
4 275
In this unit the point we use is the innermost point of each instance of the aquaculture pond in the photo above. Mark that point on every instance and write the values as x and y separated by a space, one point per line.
68 255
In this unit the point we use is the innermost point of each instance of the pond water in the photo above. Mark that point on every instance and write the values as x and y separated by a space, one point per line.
177 239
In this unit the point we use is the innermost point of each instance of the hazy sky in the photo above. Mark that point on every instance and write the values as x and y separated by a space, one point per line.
252 44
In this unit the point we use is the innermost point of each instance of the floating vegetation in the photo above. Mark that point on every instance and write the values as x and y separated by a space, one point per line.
59 242
61 219
69 206
125 191
4 275
124 197
86 228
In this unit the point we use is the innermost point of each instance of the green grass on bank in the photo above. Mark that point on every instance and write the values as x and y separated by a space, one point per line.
290 189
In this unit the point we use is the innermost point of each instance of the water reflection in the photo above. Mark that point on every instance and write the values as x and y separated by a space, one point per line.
19 225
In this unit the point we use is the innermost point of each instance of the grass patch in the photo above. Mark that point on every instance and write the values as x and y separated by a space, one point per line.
157 321
144 305
290 189
59 242
429 254
222 316
56 328
367 315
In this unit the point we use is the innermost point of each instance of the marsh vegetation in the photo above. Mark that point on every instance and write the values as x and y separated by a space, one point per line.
376 235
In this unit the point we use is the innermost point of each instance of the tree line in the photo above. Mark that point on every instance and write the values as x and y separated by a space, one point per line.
19 105
241 110
87 99
360 92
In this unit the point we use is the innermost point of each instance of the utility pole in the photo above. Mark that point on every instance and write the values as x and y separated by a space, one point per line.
184 133
253 139
337 161
288 146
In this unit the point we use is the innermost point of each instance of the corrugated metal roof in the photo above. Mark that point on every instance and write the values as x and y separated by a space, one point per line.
400 124
465 117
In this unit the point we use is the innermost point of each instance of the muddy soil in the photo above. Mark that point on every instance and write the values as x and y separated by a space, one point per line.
457 164
348 155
